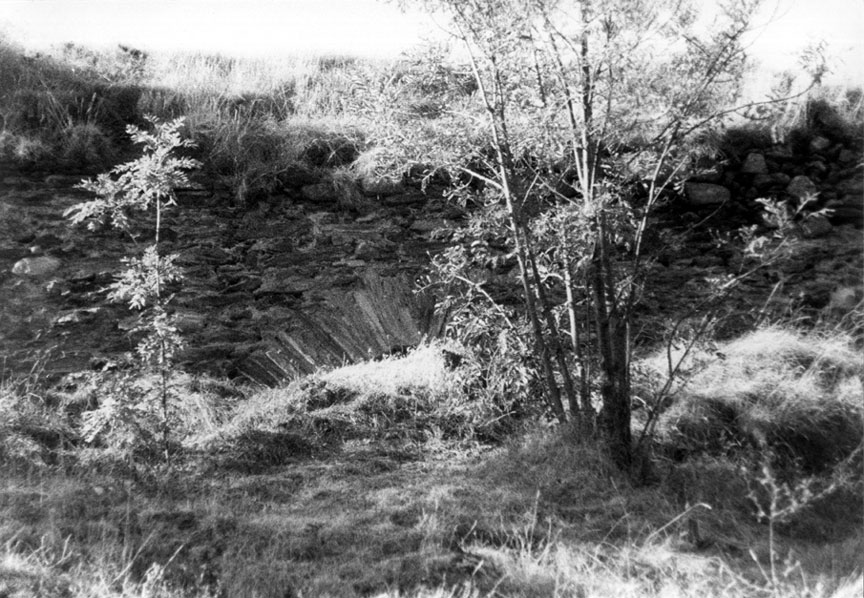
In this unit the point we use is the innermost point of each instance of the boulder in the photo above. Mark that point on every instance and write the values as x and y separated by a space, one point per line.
368 250
781 153
815 225
845 299
350 263
801 188
819 144
817 169
763 181
781 178
189 322
319 193
847 156
36 266
754 164
707 194
77 316
854 186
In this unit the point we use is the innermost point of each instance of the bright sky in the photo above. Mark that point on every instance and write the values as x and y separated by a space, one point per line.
365 27
244 27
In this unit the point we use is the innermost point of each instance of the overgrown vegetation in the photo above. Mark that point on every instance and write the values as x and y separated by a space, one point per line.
586 136
458 469
386 478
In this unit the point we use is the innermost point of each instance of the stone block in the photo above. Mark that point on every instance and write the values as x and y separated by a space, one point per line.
754 164
819 144
815 226
847 156
321 193
706 194
801 188
36 266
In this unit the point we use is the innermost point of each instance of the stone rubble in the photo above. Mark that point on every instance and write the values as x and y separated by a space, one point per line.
307 278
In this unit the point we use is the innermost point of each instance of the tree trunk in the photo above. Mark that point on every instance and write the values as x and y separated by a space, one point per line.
578 351
553 392
615 390
555 344
613 344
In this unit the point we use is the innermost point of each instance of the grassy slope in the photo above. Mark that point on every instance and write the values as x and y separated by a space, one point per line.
374 478
392 505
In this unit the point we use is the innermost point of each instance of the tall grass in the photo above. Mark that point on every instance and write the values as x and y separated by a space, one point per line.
257 122
799 393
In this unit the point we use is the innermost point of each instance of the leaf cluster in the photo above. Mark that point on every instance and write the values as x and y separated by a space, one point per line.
142 183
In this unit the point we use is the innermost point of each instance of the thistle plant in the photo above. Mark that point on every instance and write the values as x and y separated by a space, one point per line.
145 185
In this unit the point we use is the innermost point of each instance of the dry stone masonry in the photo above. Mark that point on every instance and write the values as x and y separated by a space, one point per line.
272 291
320 274
828 168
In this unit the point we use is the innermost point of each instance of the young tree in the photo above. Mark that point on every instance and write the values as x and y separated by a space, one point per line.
146 184
589 106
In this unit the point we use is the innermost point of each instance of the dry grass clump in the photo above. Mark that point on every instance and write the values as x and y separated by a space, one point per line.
71 107
798 394
769 430
32 433
263 126
251 117
836 112
412 400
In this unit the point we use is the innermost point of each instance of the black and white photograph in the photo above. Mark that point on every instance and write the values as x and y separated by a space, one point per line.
431 298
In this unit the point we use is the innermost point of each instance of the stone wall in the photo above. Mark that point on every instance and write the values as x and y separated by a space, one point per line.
826 165
303 280
320 273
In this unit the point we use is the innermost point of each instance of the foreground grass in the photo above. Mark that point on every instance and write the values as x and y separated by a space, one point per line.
372 480
538 518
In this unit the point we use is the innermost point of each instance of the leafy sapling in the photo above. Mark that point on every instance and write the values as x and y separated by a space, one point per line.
145 185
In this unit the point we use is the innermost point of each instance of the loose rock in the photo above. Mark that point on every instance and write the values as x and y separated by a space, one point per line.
36 266
707 194
755 164
818 144
815 225
319 193
847 156
801 188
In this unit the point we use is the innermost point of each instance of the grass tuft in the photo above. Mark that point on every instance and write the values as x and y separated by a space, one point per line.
410 401
798 394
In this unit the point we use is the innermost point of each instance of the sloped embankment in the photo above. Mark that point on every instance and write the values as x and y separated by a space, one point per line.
272 292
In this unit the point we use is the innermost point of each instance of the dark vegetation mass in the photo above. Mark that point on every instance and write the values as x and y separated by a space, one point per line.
524 316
